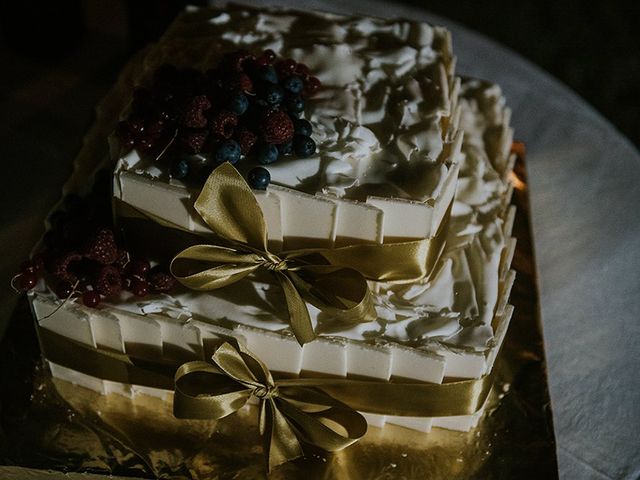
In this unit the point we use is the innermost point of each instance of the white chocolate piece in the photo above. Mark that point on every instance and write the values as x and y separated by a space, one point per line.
404 219
325 356
270 205
356 222
306 220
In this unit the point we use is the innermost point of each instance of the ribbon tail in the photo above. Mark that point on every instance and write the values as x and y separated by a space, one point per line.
281 442
298 314
342 293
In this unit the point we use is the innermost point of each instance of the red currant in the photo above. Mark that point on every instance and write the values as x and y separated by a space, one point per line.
27 280
139 267
140 288
91 298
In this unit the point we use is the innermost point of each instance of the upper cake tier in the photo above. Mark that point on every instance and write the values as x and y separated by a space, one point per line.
384 122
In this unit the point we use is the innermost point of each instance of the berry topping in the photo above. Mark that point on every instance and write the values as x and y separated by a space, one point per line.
227 151
302 127
267 154
295 104
269 55
312 86
180 168
161 281
286 67
185 113
223 124
193 112
268 74
272 94
91 298
303 146
139 267
108 281
140 288
286 148
26 281
277 127
239 103
63 266
240 82
259 178
123 260
293 84
193 140
246 139
102 247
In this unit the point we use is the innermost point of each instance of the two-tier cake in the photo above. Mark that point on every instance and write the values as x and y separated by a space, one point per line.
369 142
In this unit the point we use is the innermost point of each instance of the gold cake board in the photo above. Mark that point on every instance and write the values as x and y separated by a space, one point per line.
53 425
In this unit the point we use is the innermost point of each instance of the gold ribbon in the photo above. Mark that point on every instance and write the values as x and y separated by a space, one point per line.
291 410
333 280
288 415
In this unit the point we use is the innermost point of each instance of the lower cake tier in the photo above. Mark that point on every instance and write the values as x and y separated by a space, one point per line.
177 337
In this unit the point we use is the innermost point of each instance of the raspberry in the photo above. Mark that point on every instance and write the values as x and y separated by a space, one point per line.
161 281
193 111
102 247
108 281
246 139
277 127
193 140
62 267
223 124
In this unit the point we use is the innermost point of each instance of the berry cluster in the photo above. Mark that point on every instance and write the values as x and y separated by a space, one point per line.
248 106
82 257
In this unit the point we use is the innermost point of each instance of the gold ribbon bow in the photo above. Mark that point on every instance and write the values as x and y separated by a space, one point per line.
288 414
334 280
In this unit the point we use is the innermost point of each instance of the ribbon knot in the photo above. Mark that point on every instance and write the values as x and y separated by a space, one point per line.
264 392
288 415
275 263
334 280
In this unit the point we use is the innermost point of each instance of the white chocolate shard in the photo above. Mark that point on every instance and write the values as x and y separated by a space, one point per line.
306 220
403 219
356 222
269 203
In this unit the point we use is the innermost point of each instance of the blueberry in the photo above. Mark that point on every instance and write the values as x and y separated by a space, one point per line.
239 103
227 151
273 94
302 127
286 148
268 74
267 154
303 145
295 104
259 178
180 168
293 84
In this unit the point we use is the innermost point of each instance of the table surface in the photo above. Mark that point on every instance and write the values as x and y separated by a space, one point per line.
584 179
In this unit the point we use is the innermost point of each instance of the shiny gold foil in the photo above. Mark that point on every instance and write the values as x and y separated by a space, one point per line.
51 424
